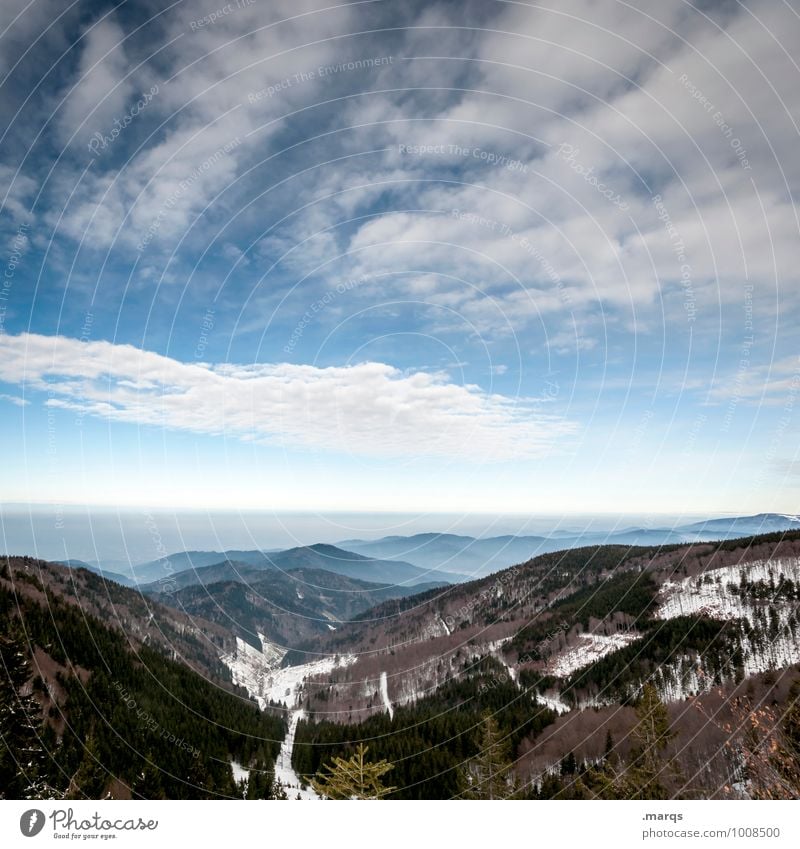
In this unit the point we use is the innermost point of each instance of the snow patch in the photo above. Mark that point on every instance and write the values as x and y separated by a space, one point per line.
250 668
590 649
385 695
260 674
708 593
554 702
772 644
286 685
494 648
239 772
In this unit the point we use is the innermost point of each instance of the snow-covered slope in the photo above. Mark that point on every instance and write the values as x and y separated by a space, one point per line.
761 595
768 637
712 595
554 702
260 674
590 649
254 669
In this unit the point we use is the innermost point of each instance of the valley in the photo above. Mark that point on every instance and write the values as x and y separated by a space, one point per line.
557 649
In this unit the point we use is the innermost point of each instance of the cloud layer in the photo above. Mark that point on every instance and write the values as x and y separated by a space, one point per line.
368 409
454 207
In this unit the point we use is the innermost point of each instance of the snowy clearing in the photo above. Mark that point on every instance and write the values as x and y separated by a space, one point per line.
260 674
554 702
709 593
590 649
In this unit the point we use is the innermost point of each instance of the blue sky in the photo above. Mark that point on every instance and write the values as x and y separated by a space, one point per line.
484 257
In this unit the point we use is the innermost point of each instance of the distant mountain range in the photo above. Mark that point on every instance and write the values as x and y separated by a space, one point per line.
481 556
762 523
429 558
181 567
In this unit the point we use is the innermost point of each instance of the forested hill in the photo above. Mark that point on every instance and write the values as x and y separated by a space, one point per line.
566 652
589 625
285 608
498 603
88 710
501 604
143 620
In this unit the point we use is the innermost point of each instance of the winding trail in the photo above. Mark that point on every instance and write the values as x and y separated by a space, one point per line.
284 771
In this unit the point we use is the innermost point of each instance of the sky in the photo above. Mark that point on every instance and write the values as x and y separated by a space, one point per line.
420 257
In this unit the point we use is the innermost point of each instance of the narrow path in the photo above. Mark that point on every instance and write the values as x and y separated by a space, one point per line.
284 771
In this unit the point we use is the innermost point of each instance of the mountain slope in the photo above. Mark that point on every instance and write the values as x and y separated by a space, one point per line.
481 557
361 567
227 570
562 611
564 632
286 608
451 552
739 526
182 561
143 620
106 573
115 715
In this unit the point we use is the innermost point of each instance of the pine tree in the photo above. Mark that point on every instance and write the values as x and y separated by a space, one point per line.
569 765
608 752
91 778
263 784
652 733
354 778
23 759
488 774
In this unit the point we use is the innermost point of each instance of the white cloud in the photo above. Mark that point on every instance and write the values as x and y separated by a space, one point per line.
774 384
15 400
584 253
636 121
16 190
369 409
101 88
203 80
